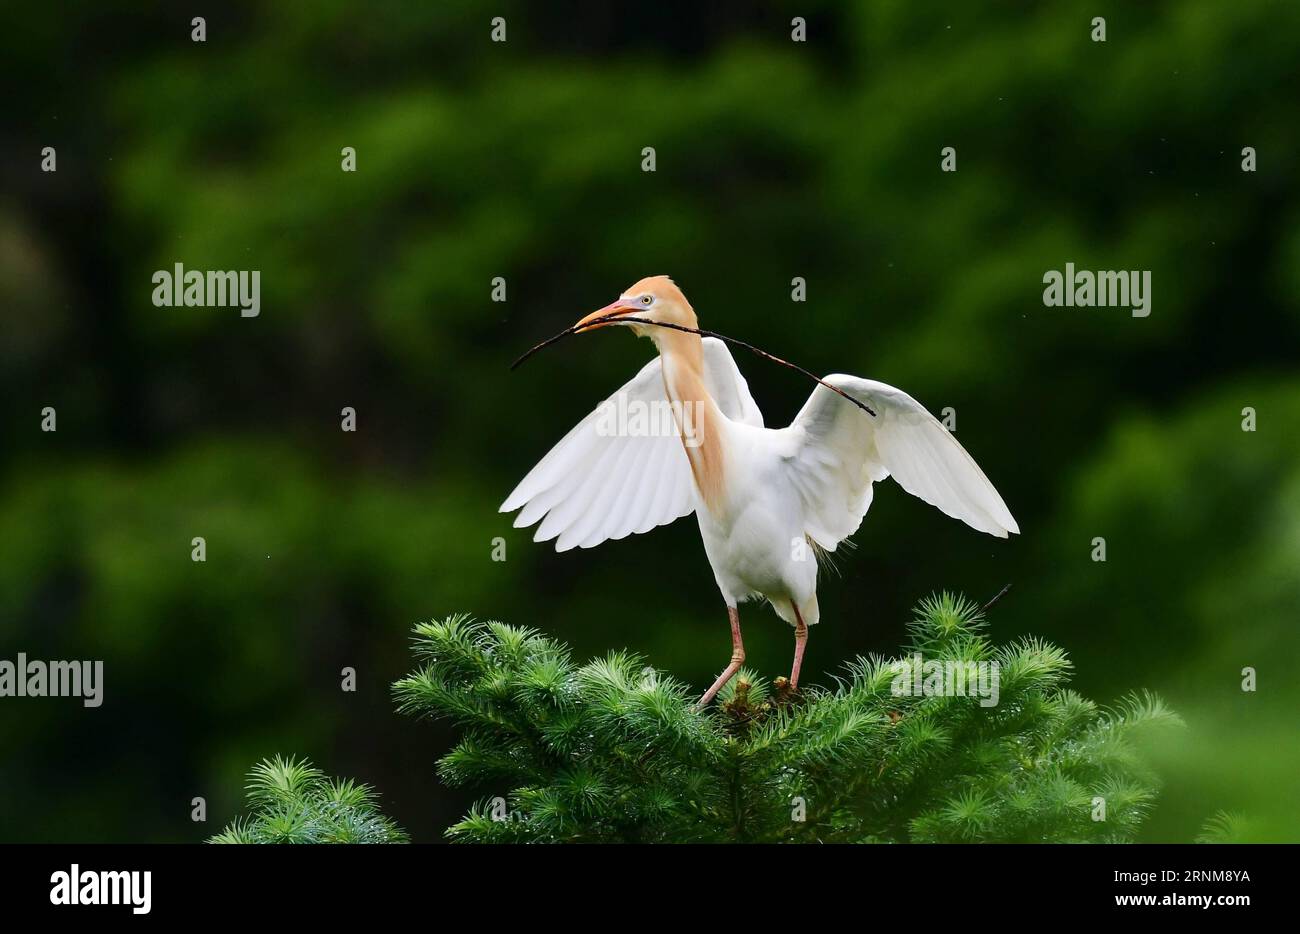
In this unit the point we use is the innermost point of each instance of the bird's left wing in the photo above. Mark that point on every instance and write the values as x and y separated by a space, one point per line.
727 385
834 451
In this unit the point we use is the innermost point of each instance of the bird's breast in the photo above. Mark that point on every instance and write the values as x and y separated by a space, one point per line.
758 529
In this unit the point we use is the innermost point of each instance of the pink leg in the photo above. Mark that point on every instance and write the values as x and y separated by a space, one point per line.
800 640
737 658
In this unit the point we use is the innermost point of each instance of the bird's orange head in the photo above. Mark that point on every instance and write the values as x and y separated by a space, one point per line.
655 298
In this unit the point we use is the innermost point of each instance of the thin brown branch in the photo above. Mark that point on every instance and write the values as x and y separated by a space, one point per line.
998 596
701 332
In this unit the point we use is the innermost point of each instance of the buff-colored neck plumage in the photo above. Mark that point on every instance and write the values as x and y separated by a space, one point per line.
698 417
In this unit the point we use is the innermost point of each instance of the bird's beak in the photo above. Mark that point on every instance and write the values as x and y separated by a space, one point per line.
621 306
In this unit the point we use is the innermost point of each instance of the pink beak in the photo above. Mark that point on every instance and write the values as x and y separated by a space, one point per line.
622 305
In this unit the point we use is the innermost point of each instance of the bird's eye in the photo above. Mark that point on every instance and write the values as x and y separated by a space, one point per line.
647 299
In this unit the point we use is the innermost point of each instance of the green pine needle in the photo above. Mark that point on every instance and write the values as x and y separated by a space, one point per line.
291 801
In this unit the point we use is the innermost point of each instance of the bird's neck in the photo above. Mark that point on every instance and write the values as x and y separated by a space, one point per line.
699 420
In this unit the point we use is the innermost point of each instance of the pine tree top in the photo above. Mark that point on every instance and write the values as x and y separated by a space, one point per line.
614 750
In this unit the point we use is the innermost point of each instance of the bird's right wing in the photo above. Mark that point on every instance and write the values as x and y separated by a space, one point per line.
602 481
611 476
836 451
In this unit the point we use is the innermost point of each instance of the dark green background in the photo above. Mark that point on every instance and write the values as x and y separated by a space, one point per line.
522 160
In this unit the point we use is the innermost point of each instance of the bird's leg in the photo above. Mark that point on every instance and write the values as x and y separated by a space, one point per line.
800 640
737 658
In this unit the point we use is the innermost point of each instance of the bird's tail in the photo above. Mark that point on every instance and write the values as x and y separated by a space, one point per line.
808 610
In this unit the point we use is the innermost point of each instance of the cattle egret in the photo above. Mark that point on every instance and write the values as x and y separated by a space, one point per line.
766 499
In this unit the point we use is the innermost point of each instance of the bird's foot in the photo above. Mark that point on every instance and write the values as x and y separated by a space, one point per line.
740 706
784 690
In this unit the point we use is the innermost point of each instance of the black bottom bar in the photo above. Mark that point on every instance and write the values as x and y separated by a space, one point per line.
441 883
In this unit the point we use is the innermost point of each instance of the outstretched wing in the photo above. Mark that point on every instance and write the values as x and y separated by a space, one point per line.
836 451
602 482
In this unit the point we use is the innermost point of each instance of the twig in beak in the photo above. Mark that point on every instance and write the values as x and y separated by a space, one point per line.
702 333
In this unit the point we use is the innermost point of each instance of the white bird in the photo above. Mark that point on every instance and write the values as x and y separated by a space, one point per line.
684 435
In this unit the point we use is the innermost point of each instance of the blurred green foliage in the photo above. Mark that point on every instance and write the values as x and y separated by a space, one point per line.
775 159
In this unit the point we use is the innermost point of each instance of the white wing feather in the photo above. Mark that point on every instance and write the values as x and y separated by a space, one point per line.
593 486
837 451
